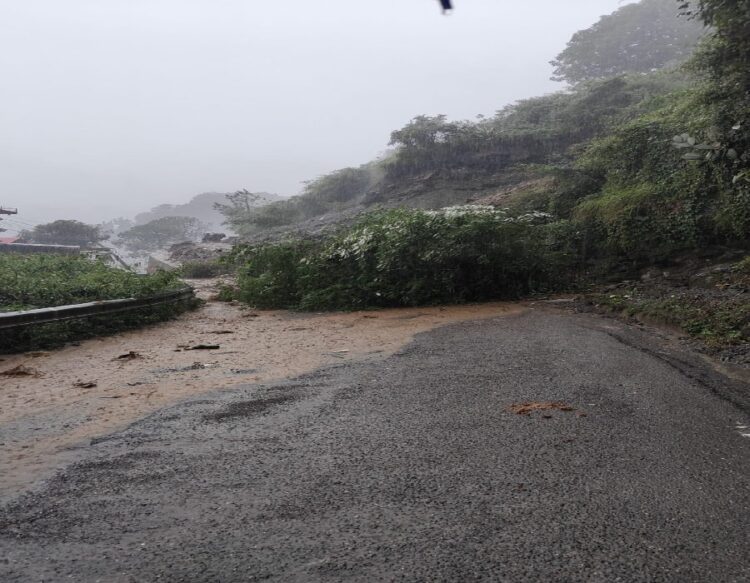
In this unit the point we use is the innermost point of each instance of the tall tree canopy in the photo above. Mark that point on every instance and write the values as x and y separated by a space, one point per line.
725 60
241 207
728 55
637 38
64 232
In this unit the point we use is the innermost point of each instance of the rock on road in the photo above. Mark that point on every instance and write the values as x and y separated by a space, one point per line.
414 469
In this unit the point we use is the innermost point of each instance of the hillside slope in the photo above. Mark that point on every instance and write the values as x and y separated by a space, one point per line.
595 185
615 72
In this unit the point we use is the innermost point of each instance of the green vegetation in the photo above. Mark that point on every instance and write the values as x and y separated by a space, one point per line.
64 232
542 130
407 257
623 68
717 323
661 195
39 281
240 209
714 309
638 164
637 38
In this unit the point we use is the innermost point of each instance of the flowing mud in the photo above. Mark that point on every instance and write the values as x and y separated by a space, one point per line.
82 392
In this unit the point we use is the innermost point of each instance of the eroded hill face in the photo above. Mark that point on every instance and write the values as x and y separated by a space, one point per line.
514 159
619 70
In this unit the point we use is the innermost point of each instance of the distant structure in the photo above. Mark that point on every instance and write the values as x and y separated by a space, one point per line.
32 249
106 255
6 211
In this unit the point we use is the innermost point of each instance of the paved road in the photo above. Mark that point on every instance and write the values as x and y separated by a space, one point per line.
413 469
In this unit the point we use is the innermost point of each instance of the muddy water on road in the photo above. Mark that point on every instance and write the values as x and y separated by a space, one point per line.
45 421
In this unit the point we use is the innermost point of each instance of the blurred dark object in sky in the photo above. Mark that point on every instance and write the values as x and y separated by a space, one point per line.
447 5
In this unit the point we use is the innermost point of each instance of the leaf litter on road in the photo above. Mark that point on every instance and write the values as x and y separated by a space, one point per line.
85 384
530 407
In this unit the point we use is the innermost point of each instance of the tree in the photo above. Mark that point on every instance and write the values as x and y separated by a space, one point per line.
637 38
424 131
724 59
241 208
727 56
730 17
64 232
161 233
240 204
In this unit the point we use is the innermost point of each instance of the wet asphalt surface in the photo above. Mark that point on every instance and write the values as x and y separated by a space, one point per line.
413 469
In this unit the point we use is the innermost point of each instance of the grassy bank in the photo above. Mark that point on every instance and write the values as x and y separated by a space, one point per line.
712 304
40 281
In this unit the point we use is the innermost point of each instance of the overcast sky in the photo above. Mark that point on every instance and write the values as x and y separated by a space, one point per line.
110 107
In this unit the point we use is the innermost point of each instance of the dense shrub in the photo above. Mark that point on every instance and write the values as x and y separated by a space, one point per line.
408 257
272 274
637 38
64 232
664 188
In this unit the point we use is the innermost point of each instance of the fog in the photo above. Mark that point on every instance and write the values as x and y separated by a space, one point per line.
110 107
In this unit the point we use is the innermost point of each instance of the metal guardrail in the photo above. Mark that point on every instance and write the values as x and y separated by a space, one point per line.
77 311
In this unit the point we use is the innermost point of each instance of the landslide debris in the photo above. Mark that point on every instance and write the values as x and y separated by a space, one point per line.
21 371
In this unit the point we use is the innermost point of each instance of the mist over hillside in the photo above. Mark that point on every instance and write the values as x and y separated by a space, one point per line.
201 207
105 115
612 72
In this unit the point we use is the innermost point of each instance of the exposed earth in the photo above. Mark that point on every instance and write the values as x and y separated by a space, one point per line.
534 446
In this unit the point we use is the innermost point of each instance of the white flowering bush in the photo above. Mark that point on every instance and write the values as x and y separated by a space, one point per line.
406 257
